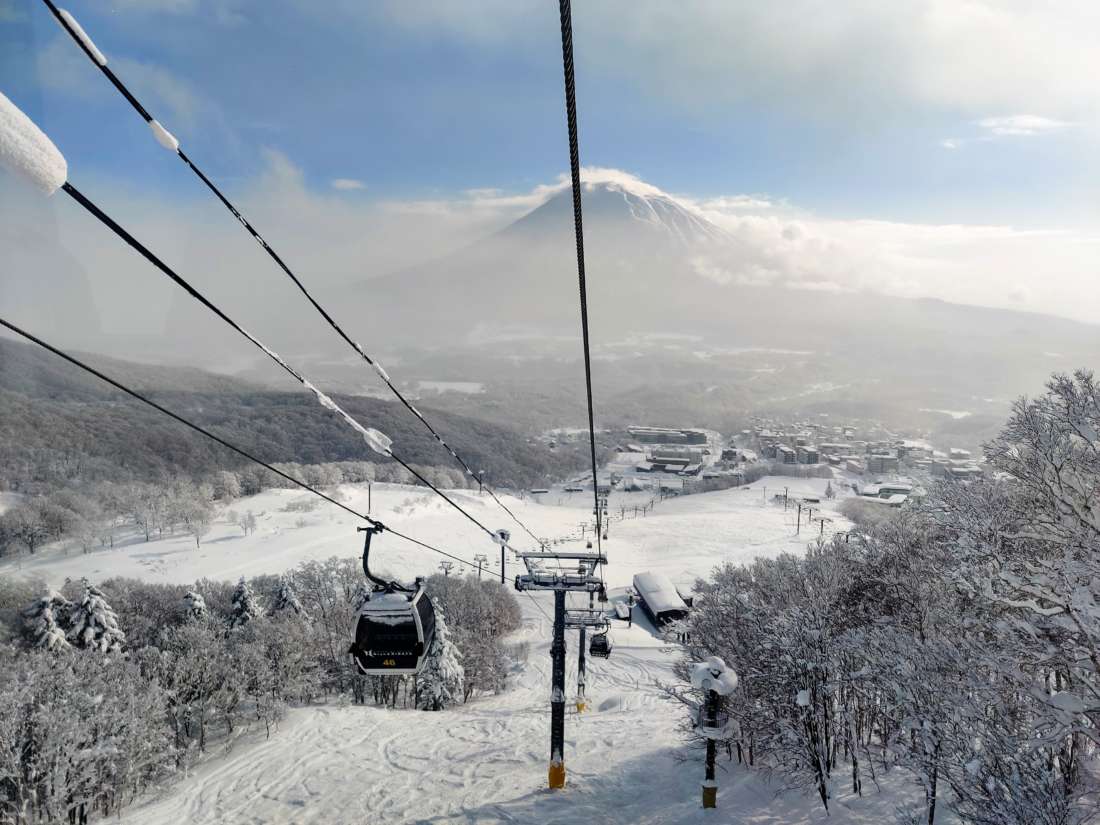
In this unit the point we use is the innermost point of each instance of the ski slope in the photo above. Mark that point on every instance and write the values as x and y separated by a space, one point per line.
484 762
682 537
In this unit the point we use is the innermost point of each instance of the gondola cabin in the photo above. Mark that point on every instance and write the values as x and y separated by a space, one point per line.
393 633
600 646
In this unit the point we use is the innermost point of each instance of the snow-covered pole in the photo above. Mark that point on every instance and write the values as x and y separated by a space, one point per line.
582 664
557 695
715 680
502 537
710 784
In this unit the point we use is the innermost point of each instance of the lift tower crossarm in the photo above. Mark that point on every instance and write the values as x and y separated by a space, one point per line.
578 622
583 555
565 582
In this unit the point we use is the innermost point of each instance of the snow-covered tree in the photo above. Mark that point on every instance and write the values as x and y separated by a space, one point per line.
286 600
226 485
246 607
45 621
246 522
359 597
93 624
439 683
24 523
194 605
829 491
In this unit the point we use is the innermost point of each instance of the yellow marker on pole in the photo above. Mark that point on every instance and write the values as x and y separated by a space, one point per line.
557 775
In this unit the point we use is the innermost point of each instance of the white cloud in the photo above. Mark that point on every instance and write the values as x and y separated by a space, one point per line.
736 203
161 6
1021 125
222 12
175 102
868 58
330 239
1007 127
347 184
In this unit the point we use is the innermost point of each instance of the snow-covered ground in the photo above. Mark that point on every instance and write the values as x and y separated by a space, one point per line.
9 500
484 762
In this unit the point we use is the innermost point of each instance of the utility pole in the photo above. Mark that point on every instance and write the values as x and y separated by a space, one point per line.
480 482
798 528
785 498
480 559
582 670
715 680
557 695
368 495
502 537
710 784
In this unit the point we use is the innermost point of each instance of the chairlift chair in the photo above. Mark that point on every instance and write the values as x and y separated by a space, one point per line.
395 626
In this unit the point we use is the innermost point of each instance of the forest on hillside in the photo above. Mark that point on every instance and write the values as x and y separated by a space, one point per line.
64 442
60 428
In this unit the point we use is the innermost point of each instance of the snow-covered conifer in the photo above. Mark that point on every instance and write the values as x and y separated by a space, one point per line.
93 624
440 682
245 605
286 600
46 619
359 597
195 605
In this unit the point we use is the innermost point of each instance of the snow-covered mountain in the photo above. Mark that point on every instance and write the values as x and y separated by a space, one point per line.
651 264
626 207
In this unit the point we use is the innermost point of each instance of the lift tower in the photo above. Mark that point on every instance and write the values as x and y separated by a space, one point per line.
560 581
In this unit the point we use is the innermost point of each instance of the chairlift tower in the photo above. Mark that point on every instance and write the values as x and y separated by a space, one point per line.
561 581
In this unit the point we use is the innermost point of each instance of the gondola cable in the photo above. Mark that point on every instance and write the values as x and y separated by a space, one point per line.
241 452
578 228
168 141
376 440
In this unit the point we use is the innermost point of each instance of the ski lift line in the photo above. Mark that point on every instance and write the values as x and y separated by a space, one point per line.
134 394
375 440
578 227
69 24
166 139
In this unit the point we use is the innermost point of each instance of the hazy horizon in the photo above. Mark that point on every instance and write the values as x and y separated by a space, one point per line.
925 173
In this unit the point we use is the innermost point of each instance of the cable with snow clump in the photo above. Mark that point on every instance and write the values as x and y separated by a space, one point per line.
377 441
169 142
76 31
134 394
28 151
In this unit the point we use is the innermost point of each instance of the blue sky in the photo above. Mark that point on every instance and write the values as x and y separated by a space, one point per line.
842 115
420 104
